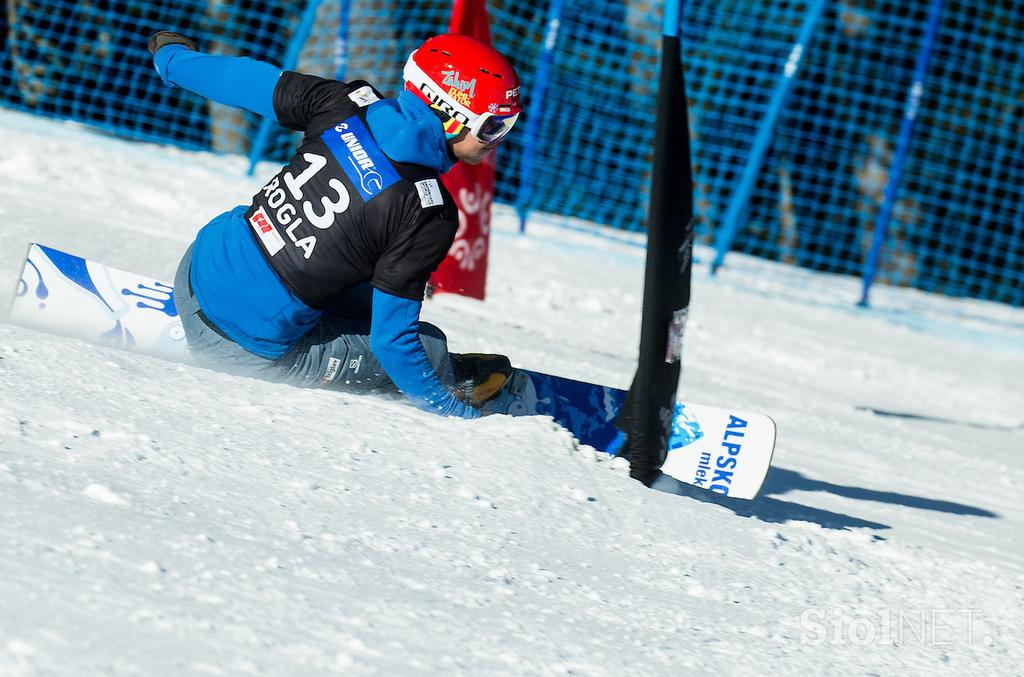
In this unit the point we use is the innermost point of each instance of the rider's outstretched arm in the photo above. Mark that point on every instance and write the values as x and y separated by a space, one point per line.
232 80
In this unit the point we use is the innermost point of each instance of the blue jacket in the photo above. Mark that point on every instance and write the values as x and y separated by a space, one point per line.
233 283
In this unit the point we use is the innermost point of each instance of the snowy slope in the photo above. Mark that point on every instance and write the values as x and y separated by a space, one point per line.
162 519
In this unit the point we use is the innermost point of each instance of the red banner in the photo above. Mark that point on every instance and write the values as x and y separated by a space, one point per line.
464 270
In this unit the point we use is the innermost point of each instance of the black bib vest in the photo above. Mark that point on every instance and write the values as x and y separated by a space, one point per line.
341 212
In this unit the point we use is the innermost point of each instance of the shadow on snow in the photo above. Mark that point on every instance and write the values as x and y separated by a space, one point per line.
781 481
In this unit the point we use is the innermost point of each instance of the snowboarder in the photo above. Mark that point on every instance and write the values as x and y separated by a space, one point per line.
320 280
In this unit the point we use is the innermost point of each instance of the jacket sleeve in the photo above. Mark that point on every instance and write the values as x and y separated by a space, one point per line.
395 340
232 80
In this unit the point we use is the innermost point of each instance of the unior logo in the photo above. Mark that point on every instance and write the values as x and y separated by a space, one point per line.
358 153
369 178
359 157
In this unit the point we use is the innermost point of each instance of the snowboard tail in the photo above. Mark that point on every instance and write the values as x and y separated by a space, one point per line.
67 295
722 450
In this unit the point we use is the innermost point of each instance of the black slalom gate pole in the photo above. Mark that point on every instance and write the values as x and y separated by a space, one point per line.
647 414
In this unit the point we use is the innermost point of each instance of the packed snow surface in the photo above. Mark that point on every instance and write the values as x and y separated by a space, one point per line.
162 519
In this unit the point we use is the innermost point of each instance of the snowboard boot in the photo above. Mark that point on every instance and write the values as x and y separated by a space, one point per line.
479 377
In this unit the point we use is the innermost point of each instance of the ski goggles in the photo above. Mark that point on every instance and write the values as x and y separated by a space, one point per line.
486 128
491 128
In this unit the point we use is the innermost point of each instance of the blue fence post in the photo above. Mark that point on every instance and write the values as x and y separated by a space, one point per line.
1017 235
341 45
741 195
291 57
892 186
533 114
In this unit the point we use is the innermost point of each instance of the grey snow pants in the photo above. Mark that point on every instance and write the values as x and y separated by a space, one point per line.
334 354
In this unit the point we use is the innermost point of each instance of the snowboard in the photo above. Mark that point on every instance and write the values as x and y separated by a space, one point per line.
718 449
726 451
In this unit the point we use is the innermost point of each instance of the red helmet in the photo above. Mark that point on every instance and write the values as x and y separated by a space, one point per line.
468 81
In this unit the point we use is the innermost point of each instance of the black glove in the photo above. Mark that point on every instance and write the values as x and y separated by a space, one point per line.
479 377
164 38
